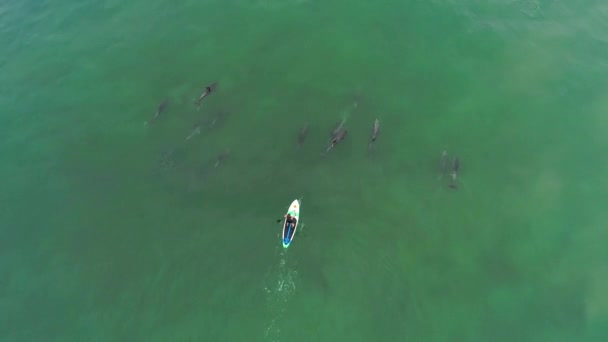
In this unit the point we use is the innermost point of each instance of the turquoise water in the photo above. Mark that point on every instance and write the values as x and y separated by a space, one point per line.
115 231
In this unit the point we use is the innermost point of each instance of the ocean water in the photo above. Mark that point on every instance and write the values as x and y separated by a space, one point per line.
112 230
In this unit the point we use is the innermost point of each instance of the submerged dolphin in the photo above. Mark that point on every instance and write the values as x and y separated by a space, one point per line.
218 117
337 128
208 90
454 174
196 130
220 158
302 135
161 108
375 131
338 137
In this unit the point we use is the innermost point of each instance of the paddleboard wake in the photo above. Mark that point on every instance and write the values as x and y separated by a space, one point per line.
279 290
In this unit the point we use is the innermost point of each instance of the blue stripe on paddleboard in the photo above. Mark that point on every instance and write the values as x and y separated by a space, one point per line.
288 239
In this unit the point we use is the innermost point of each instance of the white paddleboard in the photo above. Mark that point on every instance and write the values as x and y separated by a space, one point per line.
289 231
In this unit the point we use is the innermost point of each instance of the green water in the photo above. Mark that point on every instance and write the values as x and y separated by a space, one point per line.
115 231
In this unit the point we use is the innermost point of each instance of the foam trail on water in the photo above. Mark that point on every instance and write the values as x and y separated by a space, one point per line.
281 288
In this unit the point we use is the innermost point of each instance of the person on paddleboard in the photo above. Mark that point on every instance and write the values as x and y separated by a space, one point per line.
290 220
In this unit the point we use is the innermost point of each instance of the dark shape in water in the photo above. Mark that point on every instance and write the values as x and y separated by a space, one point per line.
302 135
196 129
216 119
209 123
337 128
208 90
455 169
221 157
337 139
375 130
161 108
165 161
170 158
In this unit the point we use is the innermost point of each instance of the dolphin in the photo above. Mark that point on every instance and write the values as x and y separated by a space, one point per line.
375 131
161 108
302 135
196 130
218 117
337 139
337 128
170 158
208 90
454 174
220 158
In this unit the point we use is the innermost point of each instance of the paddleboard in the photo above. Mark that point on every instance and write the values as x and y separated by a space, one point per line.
289 230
